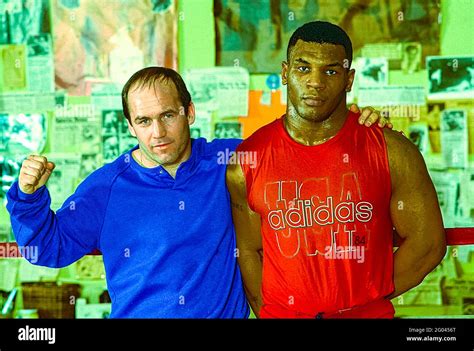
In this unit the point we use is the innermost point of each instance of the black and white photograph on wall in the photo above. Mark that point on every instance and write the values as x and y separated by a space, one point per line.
450 77
110 148
418 134
9 170
26 18
39 45
371 71
447 187
411 57
454 138
110 122
453 120
433 118
22 133
224 130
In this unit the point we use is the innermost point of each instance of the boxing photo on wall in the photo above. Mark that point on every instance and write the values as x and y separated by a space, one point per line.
371 71
454 138
450 77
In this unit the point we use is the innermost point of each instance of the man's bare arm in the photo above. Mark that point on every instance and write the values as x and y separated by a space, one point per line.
415 214
249 238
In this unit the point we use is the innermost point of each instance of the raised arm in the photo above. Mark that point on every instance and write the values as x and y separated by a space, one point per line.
415 214
63 237
249 238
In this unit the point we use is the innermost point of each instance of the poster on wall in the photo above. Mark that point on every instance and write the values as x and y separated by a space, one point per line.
9 171
450 77
111 40
228 130
220 89
22 134
40 67
116 137
371 72
254 33
411 57
63 180
454 138
20 19
13 68
75 129
447 187
201 128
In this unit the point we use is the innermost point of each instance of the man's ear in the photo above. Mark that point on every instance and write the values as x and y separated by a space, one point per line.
284 72
130 129
191 113
350 79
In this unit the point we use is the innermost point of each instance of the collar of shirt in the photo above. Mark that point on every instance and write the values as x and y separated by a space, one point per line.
184 171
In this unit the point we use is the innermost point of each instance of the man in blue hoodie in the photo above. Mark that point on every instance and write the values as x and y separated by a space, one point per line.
160 213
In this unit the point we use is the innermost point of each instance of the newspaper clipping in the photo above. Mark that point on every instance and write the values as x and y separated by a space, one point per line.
40 64
454 138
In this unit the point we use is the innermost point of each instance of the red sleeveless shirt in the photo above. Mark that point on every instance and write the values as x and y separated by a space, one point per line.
326 227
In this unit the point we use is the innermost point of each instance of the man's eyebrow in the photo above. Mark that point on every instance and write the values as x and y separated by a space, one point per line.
172 110
334 64
169 110
300 60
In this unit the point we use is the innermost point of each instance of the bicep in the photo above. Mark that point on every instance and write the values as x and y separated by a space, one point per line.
247 222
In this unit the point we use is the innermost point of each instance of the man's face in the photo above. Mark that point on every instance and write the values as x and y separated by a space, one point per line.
317 79
159 123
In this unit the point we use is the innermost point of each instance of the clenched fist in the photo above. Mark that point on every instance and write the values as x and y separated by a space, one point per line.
34 173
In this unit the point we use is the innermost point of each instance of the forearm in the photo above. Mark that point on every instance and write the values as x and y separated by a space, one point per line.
30 216
251 267
54 239
412 263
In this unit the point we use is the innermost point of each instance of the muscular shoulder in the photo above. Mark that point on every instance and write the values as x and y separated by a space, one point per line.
405 159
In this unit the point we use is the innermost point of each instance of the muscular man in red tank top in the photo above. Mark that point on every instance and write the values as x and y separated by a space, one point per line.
314 214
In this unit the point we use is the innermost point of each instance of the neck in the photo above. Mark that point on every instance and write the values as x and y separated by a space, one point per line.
145 161
309 133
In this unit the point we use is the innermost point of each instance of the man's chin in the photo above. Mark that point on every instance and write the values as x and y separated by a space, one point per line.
311 117
164 160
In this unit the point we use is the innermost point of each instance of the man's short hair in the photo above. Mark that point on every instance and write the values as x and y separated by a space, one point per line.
321 32
148 77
